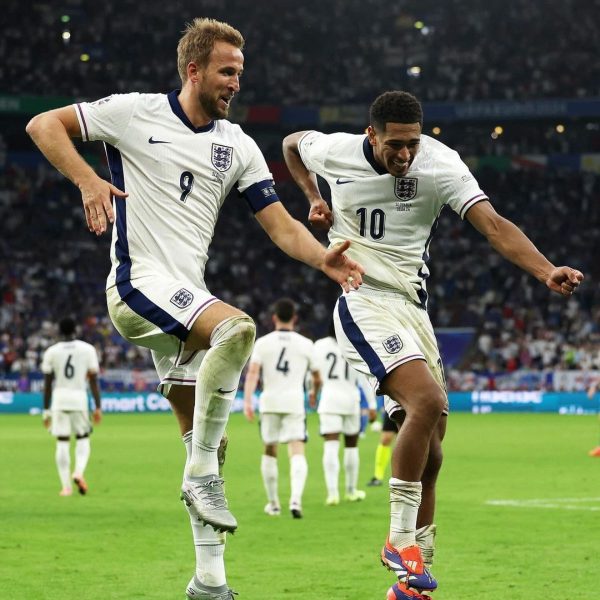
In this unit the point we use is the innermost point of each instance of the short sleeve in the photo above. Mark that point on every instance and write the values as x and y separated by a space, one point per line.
106 119
93 363
256 182
456 185
313 363
256 356
47 362
313 148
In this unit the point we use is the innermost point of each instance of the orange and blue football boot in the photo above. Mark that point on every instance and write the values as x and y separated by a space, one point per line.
400 592
408 566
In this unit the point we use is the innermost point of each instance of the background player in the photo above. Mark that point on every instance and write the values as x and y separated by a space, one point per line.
68 367
388 189
282 358
383 452
339 413
175 158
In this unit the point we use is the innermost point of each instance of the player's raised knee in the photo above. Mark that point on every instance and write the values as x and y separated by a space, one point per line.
237 334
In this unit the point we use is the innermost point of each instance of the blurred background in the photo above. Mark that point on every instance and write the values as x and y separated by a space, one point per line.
514 87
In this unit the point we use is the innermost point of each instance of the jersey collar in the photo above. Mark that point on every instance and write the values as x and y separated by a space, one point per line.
176 108
368 151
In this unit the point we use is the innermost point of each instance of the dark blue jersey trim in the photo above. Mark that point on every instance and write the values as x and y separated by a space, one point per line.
137 301
176 108
260 195
368 152
354 334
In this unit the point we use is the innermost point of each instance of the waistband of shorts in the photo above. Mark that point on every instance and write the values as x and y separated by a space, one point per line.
377 292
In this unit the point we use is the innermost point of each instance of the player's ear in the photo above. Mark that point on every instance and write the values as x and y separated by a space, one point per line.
193 72
372 135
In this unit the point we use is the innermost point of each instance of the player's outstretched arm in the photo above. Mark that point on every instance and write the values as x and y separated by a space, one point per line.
296 241
320 215
505 237
52 132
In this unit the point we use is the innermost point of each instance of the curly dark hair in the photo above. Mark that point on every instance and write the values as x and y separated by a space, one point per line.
395 107
66 326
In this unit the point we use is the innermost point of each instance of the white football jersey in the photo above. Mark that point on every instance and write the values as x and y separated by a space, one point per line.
340 393
177 177
70 362
390 220
284 358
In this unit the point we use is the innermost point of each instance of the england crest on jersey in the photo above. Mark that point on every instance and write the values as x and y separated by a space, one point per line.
221 157
182 298
393 344
406 188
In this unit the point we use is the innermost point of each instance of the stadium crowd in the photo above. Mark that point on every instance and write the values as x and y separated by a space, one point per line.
436 50
52 266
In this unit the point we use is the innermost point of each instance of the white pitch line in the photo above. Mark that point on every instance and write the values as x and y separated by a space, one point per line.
560 503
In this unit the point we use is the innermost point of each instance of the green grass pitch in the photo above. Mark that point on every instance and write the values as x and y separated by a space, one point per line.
129 537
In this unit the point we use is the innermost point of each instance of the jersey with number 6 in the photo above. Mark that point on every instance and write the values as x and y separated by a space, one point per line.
284 358
70 362
340 391
177 177
389 220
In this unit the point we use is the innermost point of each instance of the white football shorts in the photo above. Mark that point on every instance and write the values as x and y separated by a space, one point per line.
66 423
378 331
158 312
332 423
282 427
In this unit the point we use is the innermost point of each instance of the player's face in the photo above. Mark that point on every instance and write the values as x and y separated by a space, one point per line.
395 147
220 80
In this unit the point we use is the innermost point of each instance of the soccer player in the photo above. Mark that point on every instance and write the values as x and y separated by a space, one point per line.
383 452
388 188
174 159
339 413
282 359
68 367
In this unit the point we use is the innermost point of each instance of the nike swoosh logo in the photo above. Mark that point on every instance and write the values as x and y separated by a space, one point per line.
222 391
151 140
343 181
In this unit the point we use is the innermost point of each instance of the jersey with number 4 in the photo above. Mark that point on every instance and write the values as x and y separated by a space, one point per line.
390 220
340 391
70 362
177 177
284 357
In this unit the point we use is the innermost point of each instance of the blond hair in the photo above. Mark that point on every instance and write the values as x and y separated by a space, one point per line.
198 41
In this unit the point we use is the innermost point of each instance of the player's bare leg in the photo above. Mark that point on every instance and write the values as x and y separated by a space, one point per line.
209 580
229 335
412 386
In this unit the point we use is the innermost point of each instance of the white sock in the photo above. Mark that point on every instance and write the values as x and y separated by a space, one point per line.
82 455
405 499
298 473
351 465
63 462
331 466
209 545
270 475
216 387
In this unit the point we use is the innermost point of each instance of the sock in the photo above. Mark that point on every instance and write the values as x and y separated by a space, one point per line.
331 466
270 475
383 455
82 455
405 499
351 465
63 462
209 545
425 537
216 387
298 473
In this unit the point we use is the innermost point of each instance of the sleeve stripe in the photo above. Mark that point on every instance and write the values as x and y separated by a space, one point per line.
82 122
469 203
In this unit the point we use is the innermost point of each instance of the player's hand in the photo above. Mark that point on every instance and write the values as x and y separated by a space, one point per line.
248 411
97 416
312 399
564 280
347 272
320 215
96 195
47 421
372 415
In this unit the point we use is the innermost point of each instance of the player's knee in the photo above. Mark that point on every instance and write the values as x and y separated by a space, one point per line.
237 335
